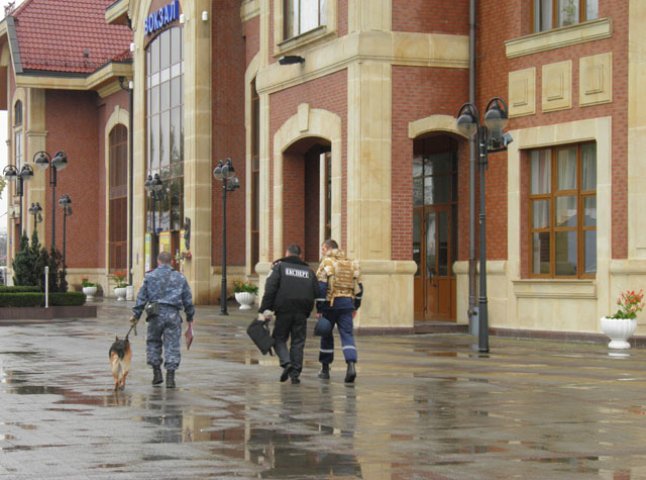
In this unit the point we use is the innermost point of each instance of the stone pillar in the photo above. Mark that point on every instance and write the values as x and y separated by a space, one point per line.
369 198
35 140
198 175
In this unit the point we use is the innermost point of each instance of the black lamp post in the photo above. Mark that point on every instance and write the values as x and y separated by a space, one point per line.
43 160
154 186
21 176
66 203
490 138
36 210
227 175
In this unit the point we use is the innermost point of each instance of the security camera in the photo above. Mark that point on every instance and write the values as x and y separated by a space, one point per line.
507 139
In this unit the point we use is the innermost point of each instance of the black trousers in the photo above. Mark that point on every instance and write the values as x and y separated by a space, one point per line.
294 326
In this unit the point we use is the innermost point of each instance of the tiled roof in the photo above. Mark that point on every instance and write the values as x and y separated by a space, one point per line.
69 36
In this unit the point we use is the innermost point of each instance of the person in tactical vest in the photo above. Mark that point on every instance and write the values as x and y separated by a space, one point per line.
170 290
290 291
340 284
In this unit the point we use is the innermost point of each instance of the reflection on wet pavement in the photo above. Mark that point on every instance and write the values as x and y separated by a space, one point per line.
423 407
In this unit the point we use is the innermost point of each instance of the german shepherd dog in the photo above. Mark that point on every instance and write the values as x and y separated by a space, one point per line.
120 357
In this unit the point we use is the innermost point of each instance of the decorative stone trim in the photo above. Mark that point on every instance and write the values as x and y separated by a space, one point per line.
559 38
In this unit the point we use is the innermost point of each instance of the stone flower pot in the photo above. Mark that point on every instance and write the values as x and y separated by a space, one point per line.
120 292
619 330
245 299
89 292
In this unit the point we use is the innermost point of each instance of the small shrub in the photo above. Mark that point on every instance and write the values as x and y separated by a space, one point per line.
240 286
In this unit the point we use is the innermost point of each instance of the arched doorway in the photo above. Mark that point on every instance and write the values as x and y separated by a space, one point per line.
307 166
435 201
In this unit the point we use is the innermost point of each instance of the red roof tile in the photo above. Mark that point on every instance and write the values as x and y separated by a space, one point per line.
68 36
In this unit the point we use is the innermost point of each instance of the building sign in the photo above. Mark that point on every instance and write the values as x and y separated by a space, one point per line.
162 17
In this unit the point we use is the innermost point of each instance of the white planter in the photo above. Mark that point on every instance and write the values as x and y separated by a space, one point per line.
619 330
120 292
245 299
89 293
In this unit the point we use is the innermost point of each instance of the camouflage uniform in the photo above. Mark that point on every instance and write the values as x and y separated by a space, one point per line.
171 290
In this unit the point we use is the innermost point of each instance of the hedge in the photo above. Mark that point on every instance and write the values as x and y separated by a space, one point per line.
32 299
19 289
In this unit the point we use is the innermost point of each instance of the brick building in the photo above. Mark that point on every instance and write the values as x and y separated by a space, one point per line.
339 116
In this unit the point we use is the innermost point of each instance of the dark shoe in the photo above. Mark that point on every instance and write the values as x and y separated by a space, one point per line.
170 379
285 375
296 380
324 374
351 373
157 376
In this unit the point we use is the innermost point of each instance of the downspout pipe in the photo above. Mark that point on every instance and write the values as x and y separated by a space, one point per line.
472 312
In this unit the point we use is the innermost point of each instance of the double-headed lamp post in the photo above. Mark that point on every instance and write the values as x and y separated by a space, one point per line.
154 186
25 174
66 204
490 138
43 160
36 210
227 175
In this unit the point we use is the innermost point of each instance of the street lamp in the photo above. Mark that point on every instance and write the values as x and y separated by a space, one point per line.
25 174
154 186
66 203
36 210
43 160
490 138
227 175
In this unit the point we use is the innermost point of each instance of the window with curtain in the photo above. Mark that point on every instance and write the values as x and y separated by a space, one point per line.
165 127
118 198
301 16
563 211
549 14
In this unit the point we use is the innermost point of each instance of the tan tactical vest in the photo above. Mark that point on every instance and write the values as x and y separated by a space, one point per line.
341 275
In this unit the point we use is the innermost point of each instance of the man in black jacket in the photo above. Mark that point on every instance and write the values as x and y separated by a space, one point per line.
290 291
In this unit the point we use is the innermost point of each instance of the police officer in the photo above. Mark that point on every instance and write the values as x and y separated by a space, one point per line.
171 291
338 279
290 291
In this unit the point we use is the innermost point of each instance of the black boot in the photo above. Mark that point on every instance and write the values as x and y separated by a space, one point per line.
157 376
170 378
351 373
324 374
286 370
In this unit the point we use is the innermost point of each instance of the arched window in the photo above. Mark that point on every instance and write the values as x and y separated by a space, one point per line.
17 114
118 198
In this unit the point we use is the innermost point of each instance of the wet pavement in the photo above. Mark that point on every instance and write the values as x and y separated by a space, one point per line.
423 407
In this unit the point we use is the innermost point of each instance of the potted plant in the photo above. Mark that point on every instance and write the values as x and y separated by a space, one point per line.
620 326
245 294
120 285
89 289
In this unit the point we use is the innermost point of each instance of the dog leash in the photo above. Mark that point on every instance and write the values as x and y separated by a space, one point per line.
132 327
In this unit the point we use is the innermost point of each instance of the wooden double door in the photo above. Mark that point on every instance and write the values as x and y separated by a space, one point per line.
435 228
434 281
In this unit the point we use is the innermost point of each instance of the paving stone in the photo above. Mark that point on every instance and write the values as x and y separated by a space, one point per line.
423 407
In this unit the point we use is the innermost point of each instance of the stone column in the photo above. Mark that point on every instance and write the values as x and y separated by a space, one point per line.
35 140
198 175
